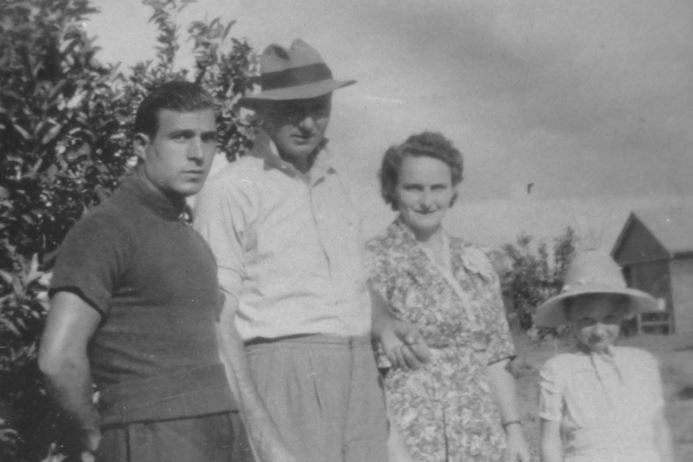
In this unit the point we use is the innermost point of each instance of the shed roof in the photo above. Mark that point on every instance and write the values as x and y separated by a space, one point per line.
672 227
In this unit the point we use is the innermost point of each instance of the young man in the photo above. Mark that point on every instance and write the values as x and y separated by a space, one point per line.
284 227
134 305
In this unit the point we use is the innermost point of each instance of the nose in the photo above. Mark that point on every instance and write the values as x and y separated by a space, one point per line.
600 329
195 149
306 121
426 199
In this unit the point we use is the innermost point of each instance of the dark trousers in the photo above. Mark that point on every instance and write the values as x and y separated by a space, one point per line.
210 438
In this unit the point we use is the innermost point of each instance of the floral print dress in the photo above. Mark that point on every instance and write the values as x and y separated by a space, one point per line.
445 411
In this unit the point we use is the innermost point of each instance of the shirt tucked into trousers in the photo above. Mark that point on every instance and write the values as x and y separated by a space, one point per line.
289 251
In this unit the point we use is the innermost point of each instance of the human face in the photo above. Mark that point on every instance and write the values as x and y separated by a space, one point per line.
423 194
596 321
177 159
297 128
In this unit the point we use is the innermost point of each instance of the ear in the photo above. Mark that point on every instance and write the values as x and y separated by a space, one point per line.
141 143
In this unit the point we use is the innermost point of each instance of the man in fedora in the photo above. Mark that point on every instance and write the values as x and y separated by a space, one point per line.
284 226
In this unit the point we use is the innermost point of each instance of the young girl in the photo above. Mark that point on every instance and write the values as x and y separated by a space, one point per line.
604 401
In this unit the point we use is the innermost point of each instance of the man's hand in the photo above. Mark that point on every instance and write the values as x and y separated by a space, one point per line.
90 443
517 446
404 345
277 452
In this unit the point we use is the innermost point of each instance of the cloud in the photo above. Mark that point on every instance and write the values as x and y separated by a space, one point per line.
583 98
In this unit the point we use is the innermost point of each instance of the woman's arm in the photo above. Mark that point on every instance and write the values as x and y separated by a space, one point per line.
550 441
663 438
396 448
401 341
503 385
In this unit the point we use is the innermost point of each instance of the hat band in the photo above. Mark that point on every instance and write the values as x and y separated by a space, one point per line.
295 76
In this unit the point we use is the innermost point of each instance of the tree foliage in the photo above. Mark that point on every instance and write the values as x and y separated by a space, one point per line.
536 273
65 122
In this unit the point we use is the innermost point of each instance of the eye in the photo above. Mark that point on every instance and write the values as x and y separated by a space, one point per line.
182 135
209 138
584 322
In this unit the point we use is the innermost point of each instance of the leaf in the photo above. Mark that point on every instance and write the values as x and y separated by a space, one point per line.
52 133
10 326
23 133
6 277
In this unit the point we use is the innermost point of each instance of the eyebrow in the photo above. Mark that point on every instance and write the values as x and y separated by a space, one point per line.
188 132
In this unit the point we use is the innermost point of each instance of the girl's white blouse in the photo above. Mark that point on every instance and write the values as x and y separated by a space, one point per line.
607 404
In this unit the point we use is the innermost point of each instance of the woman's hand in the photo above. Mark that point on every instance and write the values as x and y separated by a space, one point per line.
404 345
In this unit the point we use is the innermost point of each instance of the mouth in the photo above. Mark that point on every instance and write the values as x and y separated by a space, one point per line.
300 138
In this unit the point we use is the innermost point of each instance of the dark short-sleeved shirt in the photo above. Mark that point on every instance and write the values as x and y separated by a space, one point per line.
153 279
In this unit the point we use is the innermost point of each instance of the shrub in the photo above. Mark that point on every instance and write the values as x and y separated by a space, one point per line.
64 145
535 273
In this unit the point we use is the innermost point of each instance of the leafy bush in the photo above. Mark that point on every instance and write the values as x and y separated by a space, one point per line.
535 273
65 120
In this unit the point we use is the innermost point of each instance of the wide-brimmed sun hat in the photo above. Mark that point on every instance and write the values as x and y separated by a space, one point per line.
298 72
591 272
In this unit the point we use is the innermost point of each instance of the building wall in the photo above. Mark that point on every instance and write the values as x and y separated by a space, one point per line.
682 293
653 278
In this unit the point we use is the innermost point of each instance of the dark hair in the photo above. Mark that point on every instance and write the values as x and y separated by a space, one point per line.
180 96
426 144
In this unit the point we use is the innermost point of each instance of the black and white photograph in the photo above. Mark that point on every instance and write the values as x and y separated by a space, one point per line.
346 231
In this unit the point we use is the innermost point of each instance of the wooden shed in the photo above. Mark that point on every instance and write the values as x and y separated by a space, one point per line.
655 251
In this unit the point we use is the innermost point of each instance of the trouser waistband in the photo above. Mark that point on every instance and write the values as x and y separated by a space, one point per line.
312 338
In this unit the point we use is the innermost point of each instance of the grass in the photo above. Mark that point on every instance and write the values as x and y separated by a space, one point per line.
675 355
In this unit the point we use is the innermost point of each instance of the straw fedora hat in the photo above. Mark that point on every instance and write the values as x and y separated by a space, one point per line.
295 73
591 272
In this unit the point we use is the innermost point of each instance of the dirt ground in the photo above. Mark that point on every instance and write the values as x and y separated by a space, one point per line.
675 354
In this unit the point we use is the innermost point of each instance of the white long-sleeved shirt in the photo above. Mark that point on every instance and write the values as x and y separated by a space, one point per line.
288 246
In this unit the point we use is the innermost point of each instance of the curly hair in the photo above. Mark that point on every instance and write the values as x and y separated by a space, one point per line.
425 144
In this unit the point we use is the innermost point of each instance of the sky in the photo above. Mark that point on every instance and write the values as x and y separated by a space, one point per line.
590 101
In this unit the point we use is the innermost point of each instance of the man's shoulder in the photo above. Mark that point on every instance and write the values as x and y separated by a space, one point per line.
236 181
104 221
235 175
244 164
109 212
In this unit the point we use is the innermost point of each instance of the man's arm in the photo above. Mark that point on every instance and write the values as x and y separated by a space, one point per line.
550 441
63 361
267 443
401 341
221 212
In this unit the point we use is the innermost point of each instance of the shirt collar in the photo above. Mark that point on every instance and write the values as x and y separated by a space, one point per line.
135 186
265 149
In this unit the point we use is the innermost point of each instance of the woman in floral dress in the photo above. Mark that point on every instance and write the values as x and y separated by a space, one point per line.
461 405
